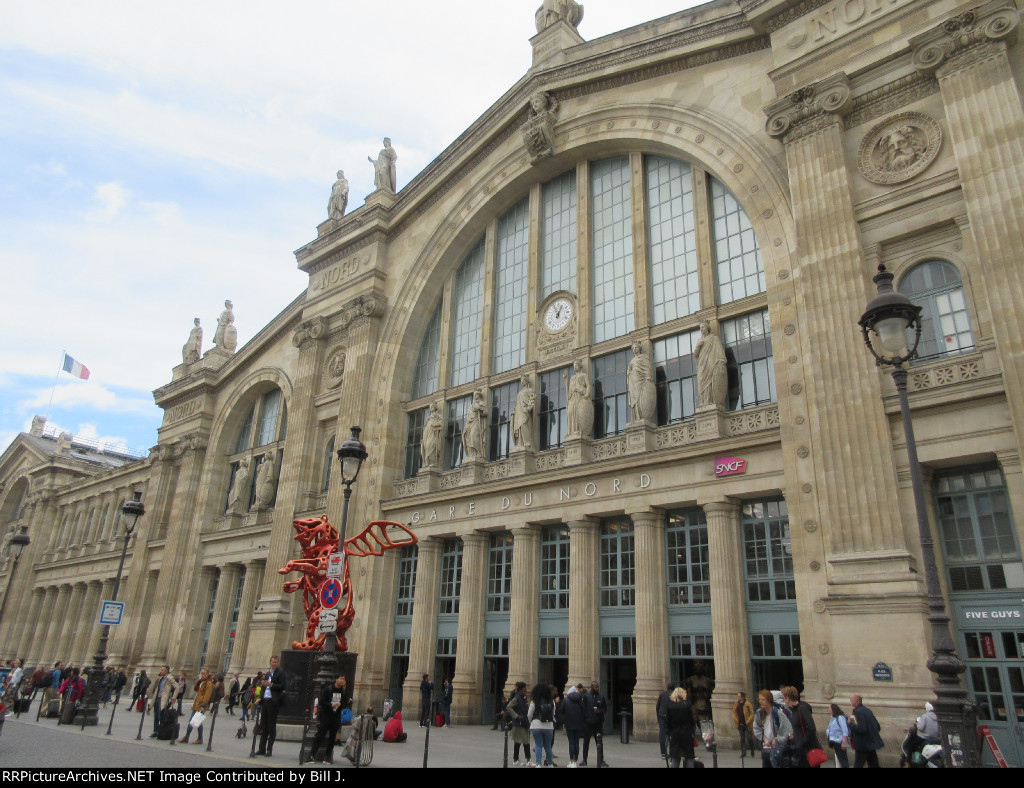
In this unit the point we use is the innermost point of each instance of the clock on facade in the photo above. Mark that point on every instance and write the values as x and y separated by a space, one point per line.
558 314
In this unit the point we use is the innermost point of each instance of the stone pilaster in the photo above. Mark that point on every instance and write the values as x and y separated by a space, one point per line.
21 616
969 56
469 660
584 597
848 427
524 628
728 612
423 643
25 638
241 661
226 588
40 634
652 649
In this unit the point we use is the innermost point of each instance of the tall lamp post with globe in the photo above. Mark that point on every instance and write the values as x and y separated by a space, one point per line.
131 511
888 318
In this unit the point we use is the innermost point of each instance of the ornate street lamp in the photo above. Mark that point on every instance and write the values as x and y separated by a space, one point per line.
889 317
351 454
131 512
17 543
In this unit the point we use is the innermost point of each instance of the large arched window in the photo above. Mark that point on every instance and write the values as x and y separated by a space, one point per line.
936 287
260 440
664 285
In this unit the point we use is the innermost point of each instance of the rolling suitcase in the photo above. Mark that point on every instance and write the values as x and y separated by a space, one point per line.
21 705
168 725
53 708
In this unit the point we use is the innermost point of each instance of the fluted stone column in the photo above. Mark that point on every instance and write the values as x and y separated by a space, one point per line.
88 638
524 628
40 640
728 613
652 649
226 588
25 641
584 597
467 686
849 430
72 623
241 661
423 643
982 100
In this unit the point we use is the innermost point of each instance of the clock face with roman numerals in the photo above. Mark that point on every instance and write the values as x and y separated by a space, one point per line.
558 314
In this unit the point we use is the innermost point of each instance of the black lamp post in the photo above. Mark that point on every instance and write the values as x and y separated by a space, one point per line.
17 543
351 454
889 316
132 511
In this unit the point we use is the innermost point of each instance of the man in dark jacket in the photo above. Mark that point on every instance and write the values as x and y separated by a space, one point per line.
659 710
331 702
270 703
233 689
571 715
426 693
594 708
864 734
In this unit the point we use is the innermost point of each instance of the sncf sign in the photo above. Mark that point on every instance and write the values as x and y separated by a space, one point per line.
729 466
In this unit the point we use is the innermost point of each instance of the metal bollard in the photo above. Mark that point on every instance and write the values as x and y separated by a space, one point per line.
145 707
624 726
113 711
599 741
426 741
213 721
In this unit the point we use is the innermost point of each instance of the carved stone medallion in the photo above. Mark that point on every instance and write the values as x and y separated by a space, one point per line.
899 148
334 369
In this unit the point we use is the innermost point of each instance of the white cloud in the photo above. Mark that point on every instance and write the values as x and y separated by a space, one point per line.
88 393
112 197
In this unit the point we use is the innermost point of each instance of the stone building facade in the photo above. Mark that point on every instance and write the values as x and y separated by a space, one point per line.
747 163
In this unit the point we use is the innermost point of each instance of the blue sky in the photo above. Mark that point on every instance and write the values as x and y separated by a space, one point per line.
156 159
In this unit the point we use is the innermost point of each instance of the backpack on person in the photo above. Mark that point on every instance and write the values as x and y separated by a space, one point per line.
546 711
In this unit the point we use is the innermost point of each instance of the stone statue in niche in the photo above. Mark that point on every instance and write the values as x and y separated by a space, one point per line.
194 346
553 10
643 399
384 172
522 415
433 437
579 409
227 335
474 433
339 197
238 495
539 131
265 481
712 368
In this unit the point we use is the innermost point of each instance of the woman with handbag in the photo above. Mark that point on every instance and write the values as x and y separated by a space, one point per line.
807 752
200 707
773 729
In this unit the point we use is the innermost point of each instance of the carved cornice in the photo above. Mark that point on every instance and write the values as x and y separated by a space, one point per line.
964 38
312 329
793 12
888 98
809 109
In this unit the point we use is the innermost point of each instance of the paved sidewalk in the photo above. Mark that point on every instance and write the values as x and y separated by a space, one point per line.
460 746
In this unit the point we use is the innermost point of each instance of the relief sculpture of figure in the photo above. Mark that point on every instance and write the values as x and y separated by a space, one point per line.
522 415
579 409
238 495
643 399
265 482
193 348
433 437
712 368
553 10
475 429
539 131
384 172
339 197
227 335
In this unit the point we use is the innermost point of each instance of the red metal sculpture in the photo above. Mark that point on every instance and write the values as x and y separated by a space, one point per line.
319 539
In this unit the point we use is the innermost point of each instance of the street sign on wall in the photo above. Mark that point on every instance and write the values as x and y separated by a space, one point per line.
111 613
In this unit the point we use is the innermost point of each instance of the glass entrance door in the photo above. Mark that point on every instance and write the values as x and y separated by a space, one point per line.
995 675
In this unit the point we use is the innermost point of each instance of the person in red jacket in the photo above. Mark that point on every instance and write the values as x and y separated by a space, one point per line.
393 730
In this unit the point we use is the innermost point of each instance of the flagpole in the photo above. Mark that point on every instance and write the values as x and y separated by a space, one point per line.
60 366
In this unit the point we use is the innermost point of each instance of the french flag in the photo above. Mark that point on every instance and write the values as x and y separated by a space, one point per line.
76 368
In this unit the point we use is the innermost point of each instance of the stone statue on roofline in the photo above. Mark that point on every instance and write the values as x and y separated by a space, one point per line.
553 10
194 346
339 197
384 173
227 335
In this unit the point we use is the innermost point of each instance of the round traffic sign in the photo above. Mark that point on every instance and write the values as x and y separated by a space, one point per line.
330 593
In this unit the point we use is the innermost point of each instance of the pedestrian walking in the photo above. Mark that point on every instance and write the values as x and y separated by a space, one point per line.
838 733
865 734
541 714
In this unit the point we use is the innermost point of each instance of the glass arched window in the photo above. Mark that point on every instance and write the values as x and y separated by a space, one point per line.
936 287
259 440
425 380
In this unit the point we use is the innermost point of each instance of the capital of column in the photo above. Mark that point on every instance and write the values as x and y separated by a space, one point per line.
584 526
723 505
647 516
809 109
474 539
313 330
961 39
362 308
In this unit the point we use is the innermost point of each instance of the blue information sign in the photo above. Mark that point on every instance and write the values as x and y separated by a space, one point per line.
111 613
